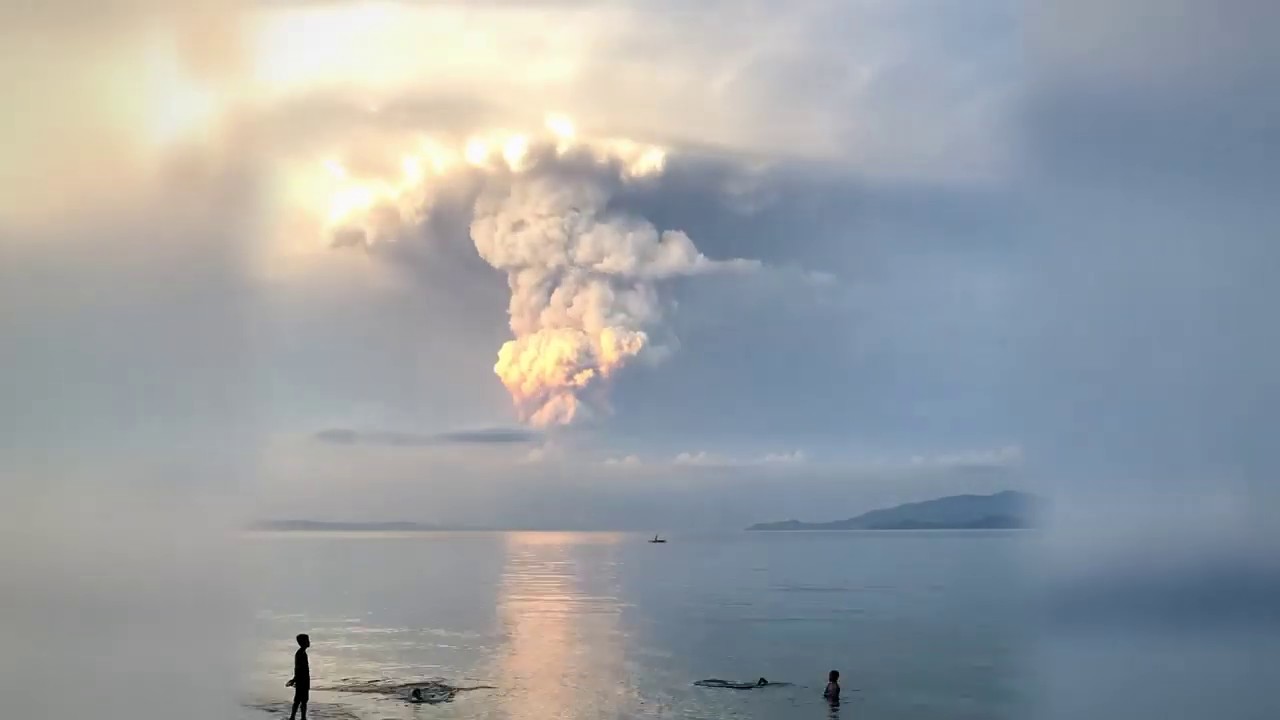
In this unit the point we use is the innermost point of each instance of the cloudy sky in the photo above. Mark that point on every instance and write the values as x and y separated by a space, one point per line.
639 263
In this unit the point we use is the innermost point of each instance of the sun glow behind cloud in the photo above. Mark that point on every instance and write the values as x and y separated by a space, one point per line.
387 48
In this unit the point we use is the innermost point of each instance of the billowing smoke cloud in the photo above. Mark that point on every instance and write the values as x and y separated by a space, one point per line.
583 288
585 280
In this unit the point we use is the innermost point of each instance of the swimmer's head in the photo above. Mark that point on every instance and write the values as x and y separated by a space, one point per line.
303 640
833 676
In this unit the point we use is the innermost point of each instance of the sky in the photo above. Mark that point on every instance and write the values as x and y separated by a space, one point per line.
639 263
634 264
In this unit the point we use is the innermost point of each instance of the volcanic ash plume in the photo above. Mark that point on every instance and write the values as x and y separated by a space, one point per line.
584 280
583 288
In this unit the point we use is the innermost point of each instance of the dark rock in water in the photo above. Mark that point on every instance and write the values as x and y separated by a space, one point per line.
432 696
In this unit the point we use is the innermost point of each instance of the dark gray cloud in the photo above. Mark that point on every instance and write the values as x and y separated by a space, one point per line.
480 436
1151 133
1165 97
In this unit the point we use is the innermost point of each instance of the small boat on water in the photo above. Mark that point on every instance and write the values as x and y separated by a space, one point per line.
657 539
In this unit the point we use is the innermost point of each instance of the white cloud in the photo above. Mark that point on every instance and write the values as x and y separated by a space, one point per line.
708 459
1005 456
624 460
699 458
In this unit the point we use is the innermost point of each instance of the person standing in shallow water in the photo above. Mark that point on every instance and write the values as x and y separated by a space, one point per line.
832 693
301 682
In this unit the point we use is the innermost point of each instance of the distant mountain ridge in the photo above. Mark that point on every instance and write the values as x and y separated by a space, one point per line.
1006 510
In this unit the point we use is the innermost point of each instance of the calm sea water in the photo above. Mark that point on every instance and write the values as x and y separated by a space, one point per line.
588 625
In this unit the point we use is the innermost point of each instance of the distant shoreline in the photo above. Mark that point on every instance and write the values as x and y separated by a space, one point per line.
258 530
1007 510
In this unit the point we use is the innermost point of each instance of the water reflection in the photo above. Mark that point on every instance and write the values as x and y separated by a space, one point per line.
559 608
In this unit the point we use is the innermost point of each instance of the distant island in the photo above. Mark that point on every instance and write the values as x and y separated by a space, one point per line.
1008 510
321 526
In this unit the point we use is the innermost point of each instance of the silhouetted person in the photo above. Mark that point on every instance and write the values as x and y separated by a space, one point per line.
301 682
832 693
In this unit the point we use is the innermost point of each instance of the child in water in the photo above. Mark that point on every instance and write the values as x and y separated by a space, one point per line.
832 693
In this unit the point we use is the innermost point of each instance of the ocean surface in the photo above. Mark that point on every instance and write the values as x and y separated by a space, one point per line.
593 625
